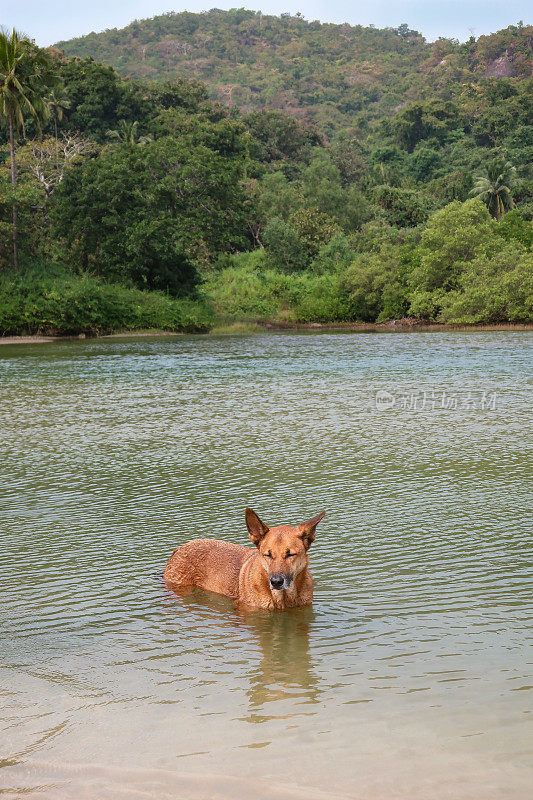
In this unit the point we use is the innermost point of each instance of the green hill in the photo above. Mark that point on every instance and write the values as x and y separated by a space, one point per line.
324 74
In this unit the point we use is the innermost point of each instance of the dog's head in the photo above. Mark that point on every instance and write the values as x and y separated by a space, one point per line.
283 549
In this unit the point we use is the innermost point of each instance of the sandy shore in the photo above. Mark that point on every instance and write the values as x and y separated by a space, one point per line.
259 327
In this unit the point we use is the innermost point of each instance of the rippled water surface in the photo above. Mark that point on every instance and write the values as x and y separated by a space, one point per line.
409 676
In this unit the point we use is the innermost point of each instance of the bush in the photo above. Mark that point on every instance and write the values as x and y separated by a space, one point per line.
375 286
65 304
319 298
471 269
494 289
239 290
452 237
461 266
247 289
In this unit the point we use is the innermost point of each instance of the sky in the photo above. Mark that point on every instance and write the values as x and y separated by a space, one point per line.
49 21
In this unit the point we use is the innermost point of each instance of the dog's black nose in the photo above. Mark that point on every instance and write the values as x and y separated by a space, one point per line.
276 581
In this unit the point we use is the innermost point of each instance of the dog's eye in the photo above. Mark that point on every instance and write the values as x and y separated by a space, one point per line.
269 555
290 555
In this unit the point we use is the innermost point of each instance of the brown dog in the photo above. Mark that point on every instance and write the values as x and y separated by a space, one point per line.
276 575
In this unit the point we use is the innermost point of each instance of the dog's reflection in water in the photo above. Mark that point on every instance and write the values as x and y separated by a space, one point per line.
284 669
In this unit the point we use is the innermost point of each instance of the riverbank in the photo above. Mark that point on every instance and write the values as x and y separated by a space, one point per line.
42 306
403 325
37 339
398 326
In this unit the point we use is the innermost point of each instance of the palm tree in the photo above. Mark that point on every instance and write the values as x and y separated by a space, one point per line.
26 77
495 188
57 103
128 133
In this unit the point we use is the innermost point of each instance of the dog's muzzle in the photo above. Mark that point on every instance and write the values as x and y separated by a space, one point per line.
279 581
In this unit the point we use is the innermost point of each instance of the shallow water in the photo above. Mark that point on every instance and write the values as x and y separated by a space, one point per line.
409 676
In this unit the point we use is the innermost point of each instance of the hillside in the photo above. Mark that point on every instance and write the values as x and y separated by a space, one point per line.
323 73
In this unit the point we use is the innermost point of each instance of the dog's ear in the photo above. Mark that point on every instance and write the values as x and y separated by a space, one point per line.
307 530
256 529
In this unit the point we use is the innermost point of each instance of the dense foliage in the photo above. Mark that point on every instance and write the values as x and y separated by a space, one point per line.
409 195
460 267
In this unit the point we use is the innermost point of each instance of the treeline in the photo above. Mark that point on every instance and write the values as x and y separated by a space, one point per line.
142 204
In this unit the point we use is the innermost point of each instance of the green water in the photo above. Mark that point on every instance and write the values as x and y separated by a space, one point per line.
409 676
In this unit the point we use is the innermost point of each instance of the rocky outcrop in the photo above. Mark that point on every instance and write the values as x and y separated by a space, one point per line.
500 68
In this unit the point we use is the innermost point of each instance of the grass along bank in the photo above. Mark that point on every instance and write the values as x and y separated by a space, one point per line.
64 304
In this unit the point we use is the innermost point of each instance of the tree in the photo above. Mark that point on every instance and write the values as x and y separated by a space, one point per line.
435 118
284 246
26 77
98 98
452 237
179 93
42 164
293 244
322 187
375 286
314 228
279 138
58 102
151 214
128 133
513 227
403 207
495 188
